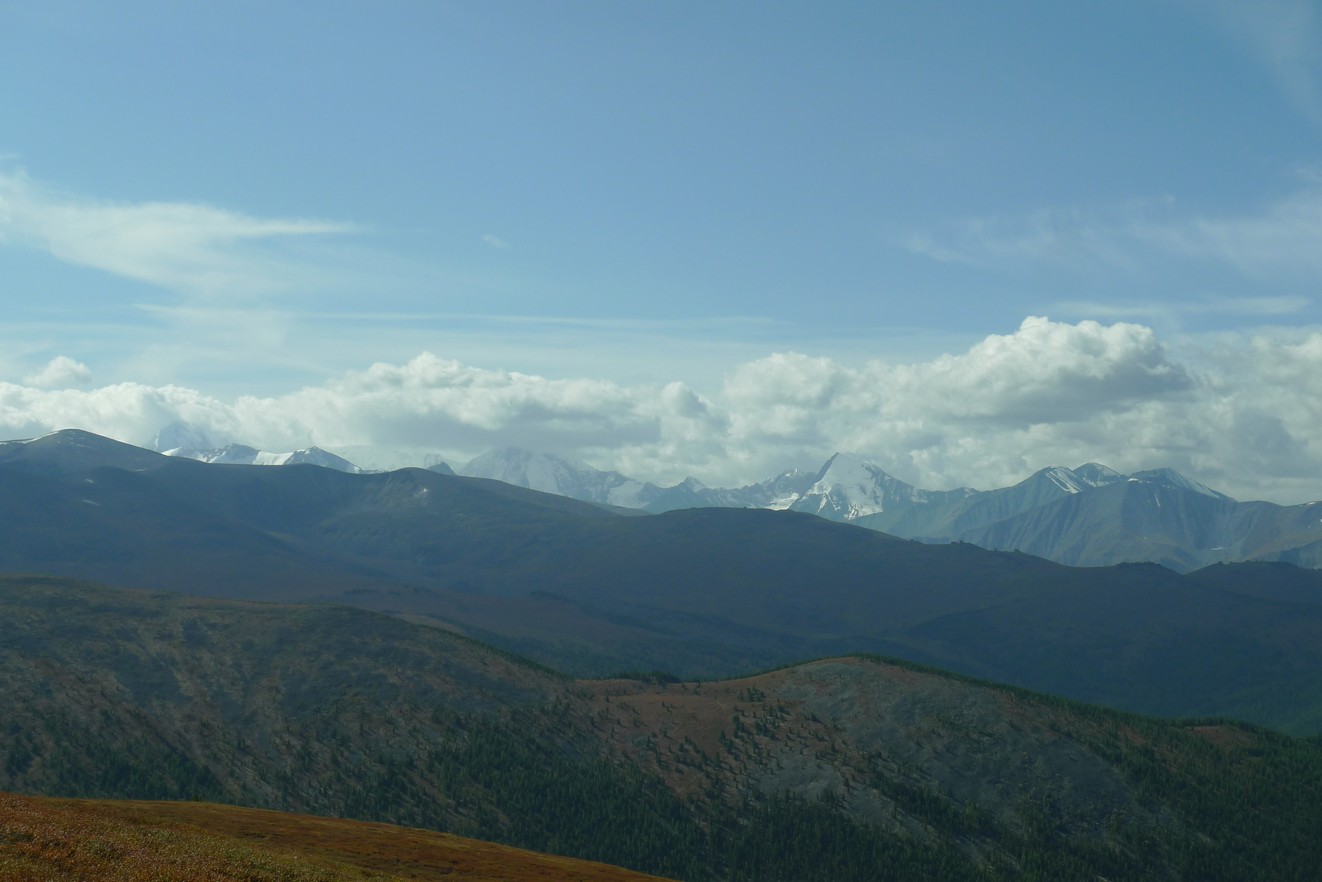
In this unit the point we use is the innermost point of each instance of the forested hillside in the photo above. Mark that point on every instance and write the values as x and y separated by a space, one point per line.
840 769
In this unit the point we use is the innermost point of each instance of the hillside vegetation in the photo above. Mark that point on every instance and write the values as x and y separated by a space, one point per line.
853 768
55 840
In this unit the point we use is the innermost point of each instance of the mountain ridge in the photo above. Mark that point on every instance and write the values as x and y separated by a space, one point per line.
1091 530
701 592
1200 527
839 769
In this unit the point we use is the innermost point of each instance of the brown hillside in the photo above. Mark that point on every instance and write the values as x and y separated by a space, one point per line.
67 839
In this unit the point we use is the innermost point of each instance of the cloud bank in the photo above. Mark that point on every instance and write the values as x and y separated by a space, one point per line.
1240 414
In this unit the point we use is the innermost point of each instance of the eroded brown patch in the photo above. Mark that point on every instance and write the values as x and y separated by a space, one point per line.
1225 737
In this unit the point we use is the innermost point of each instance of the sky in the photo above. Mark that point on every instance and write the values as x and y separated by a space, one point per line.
963 240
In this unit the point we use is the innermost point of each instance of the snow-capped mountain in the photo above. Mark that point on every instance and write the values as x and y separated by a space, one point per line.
1085 516
849 487
1091 515
189 442
1172 478
242 454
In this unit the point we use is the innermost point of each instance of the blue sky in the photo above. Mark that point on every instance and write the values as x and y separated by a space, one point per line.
966 240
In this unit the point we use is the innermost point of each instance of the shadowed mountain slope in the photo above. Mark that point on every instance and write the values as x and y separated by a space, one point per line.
842 769
1088 516
704 592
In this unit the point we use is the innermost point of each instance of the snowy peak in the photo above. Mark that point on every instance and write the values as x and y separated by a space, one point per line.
1067 480
242 454
845 488
849 487
1097 475
1054 481
1172 478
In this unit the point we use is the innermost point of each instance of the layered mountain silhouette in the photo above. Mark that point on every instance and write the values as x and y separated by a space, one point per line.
1087 516
593 589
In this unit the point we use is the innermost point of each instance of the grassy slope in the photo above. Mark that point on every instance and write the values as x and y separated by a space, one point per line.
60 839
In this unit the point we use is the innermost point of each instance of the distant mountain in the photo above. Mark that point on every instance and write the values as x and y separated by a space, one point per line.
181 435
848 488
552 474
1157 516
700 592
189 442
241 454
840 770
1088 516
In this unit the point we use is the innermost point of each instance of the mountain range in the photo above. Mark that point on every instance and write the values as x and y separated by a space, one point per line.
1086 516
348 644
594 589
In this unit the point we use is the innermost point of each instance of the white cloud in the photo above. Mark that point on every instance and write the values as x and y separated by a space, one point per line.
188 248
495 241
61 372
1237 412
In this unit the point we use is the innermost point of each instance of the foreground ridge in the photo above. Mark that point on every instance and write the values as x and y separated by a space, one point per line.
44 838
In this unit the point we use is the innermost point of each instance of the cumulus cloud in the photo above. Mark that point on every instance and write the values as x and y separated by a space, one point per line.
1238 413
61 372
189 248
